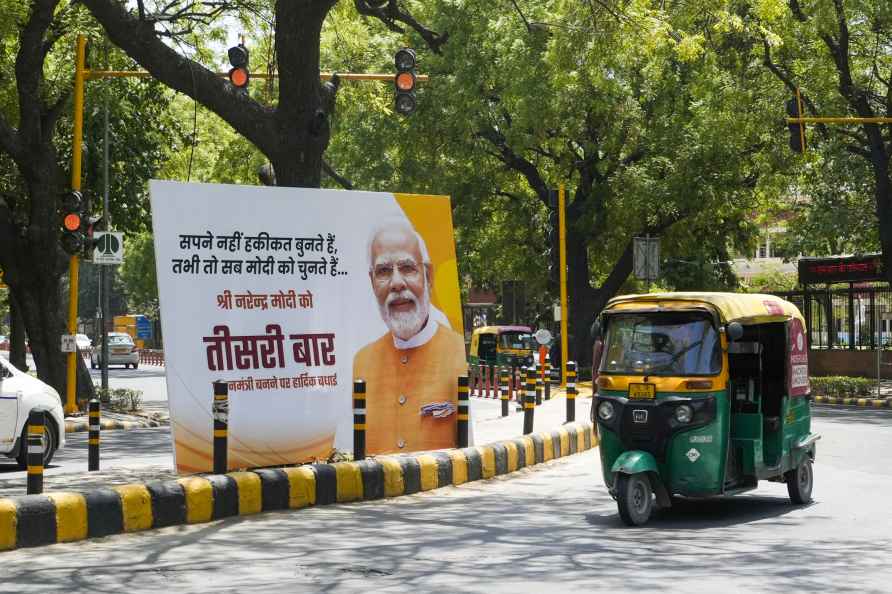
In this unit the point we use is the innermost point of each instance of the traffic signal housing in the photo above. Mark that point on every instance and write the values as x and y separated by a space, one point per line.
405 80
797 131
72 210
239 75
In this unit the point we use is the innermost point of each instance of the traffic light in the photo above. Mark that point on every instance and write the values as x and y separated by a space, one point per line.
404 81
72 238
239 75
797 131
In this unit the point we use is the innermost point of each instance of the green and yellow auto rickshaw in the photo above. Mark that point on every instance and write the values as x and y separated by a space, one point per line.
504 346
701 394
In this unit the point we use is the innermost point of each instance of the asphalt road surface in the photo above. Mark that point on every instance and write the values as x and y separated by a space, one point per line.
550 528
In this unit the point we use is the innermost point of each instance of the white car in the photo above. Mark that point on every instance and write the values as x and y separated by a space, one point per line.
121 351
20 394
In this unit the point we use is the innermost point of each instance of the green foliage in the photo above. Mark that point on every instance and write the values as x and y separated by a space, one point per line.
839 386
137 274
119 399
772 281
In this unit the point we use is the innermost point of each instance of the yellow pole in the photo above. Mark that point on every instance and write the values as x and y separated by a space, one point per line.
834 120
562 241
73 262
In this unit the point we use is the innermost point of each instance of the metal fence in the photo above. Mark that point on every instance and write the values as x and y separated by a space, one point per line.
852 318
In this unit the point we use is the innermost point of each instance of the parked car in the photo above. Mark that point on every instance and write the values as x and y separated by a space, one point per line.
84 344
20 394
121 351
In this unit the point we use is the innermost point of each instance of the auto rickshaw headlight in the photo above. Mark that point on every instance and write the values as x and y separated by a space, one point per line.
605 410
684 414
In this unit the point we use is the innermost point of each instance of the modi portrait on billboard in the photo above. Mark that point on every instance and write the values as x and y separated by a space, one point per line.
290 294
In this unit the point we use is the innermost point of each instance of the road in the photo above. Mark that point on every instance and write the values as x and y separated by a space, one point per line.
553 527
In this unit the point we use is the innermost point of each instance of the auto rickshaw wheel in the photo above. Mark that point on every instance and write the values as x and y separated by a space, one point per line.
634 498
800 481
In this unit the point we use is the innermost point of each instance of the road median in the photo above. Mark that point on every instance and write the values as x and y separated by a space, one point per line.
35 520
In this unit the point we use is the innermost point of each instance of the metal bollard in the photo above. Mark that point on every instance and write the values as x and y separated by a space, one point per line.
529 401
503 390
358 420
571 391
520 394
547 378
34 451
464 409
538 371
93 437
221 426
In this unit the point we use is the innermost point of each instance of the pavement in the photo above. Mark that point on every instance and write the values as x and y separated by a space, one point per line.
124 499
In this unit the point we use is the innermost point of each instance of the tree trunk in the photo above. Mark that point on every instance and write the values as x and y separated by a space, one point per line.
18 354
883 196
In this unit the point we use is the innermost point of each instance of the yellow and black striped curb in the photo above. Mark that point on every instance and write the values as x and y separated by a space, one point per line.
34 520
865 402
74 426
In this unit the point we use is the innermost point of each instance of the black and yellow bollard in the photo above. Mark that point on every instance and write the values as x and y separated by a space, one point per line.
464 411
358 420
529 401
538 371
571 391
547 378
221 426
503 390
34 451
93 436
520 389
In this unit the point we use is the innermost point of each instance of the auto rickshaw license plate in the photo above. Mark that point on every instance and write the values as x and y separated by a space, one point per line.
642 391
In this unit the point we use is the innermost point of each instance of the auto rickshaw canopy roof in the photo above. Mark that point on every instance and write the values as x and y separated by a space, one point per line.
745 308
501 329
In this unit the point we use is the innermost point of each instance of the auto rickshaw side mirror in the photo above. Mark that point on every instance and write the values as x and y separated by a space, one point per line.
734 331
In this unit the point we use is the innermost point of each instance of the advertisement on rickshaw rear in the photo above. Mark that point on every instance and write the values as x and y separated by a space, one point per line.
288 295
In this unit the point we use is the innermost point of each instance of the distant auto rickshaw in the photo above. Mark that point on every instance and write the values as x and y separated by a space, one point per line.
504 346
701 394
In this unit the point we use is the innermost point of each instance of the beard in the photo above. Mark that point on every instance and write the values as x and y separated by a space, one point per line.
406 324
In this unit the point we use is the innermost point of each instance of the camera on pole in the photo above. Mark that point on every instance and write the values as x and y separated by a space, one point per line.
72 238
404 81
239 75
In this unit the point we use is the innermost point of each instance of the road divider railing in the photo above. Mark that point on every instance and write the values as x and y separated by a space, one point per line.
35 520
151 357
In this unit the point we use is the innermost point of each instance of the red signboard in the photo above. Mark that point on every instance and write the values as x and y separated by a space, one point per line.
797 364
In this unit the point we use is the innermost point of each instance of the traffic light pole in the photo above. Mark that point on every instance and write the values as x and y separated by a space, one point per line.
562 242
81 74
74 262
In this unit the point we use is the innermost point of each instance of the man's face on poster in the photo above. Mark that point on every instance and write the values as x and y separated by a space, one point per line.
400 281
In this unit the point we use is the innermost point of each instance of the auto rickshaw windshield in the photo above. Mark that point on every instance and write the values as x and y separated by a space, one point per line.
516 340
661 344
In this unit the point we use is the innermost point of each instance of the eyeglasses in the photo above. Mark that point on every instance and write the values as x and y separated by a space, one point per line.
407 269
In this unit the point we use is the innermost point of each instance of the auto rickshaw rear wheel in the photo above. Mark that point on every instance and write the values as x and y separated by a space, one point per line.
800 481
634 498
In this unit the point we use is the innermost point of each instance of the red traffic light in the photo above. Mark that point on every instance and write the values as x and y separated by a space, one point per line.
239 77
405 81
72 221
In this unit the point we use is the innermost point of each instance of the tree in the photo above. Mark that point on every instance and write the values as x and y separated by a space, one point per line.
838 53
650 129
294 132
37 38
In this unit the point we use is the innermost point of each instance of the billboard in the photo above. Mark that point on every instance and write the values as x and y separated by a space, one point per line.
843 269
288 294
